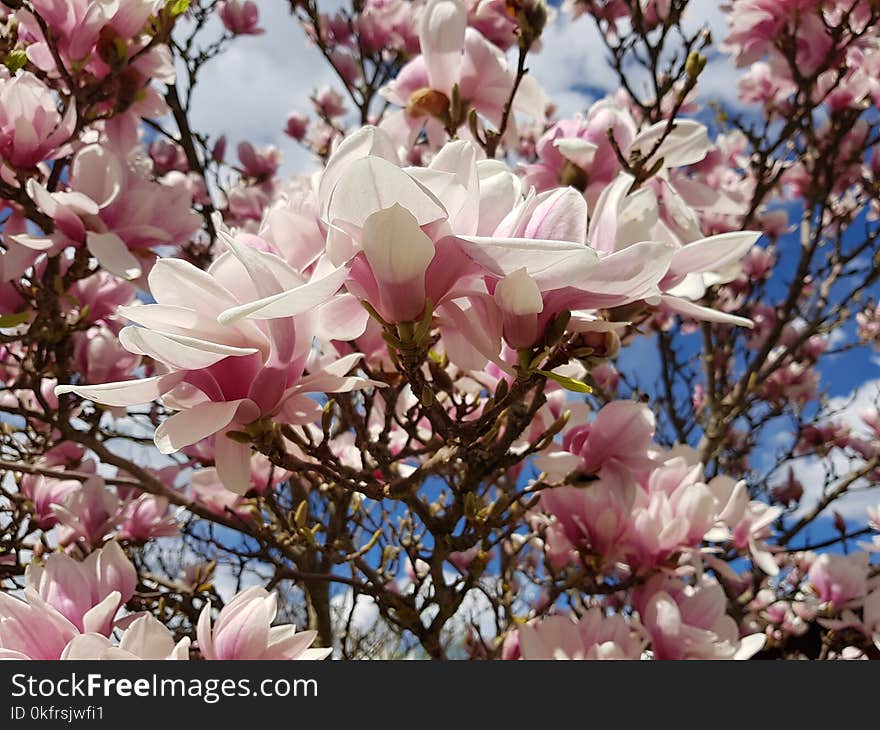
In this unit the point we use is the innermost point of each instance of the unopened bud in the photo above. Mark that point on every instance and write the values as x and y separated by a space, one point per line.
532 17
602 344
695 64
301 514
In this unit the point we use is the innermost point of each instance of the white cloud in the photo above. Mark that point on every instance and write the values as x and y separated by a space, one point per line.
248 90
812 472
573 56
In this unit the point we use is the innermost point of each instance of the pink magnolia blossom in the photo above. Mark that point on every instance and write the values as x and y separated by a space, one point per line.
144 638
259 163
97 297
243 630
240 18
746 523
208 491
839 579
31 127
453 54
99 355
223 370
147 517
296 126
329 102
32 629
593 636
689 621
577 151
538 262
493 19
387 24
660 213
618 441
114 210
396 225
589 518
86 593
674 512
90 513
77 25
44 492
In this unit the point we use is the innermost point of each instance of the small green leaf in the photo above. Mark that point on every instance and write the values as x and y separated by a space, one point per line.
15 60
575 386
178 7
13 320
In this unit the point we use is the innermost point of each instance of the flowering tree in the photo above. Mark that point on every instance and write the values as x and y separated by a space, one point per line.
492 381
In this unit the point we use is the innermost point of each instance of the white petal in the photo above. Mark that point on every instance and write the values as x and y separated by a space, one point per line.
113 255
187 427
366 142
441 37
178 351
233 462
687 143
712 253
577 150
372 184
552 264
518 294
703 314
289 303
125 393
396 247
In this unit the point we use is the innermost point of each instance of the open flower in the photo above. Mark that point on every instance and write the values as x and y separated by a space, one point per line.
31 127
144 638
224 370
456 60
593 636
243 630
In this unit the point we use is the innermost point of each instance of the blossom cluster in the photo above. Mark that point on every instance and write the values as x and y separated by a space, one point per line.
194 347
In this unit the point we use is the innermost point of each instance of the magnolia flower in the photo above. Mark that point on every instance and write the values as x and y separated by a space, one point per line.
76 28
32 629
208 491
45 493
394 226
616 443
689 621
593 636
114 209
577 152
588 518
87 593
144 638
673 513
839 579
623 220
62 599
243 630
259 163
31 127
99 356
296 126
744 522
147 517
223 369
89 513
455 60
240 18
